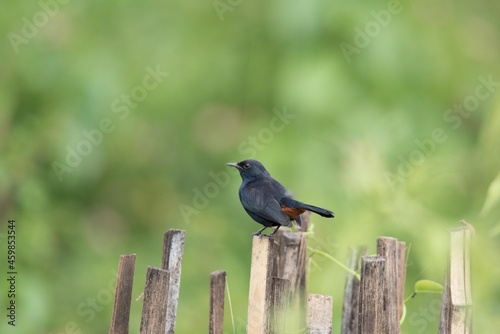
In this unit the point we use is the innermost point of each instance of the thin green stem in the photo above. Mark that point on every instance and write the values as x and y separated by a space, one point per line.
334 260
230 306
410 297
403 315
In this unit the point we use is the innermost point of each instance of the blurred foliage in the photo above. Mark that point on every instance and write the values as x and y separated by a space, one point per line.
360 139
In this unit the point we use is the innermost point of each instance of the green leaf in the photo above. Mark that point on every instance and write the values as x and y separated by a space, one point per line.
495 230
492 197
428 286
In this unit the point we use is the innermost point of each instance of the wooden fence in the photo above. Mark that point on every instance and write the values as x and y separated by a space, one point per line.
278 301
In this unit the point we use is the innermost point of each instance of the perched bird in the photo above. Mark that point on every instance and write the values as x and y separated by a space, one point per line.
266 200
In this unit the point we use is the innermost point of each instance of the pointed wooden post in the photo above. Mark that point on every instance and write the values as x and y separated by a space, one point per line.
123 295
173 249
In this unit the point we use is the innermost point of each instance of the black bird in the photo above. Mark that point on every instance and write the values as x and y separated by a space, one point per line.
266 200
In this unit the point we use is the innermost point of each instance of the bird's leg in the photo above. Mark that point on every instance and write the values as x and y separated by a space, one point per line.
259 231
276 230
298 220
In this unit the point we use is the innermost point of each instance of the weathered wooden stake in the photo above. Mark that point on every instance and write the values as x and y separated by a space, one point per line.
155 301
259 296
401 269
287 257
456 311
280 304
371 318
123 295
388 249
319 314
290 262
350 306
173 248
217 291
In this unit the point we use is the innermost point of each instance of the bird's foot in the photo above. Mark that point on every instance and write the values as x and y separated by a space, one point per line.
263 235
259 232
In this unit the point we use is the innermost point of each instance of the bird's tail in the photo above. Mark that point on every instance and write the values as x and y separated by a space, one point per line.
290 202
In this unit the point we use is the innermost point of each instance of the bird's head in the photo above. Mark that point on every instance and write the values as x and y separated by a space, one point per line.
249 169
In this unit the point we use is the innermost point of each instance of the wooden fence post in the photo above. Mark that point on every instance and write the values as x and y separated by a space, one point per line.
280 303
371 318
350 305
401 271
259 295
319 314
217 292
290 263
155 301
456 311
290 259
388 249
173 249
123 295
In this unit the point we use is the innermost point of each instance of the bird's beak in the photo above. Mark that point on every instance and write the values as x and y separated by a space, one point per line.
233 164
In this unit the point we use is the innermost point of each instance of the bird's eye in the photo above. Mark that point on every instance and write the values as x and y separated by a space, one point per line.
246 166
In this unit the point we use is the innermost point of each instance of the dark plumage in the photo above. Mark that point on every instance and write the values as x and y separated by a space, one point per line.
266 200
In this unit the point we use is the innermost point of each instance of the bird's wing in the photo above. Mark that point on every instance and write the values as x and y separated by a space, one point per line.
263 204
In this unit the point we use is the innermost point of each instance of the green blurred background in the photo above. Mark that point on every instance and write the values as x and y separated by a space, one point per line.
374 131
